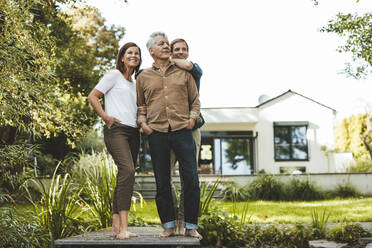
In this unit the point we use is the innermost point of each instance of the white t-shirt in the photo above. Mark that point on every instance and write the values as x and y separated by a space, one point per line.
120 97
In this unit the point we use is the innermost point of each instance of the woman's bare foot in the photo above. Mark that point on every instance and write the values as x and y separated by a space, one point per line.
126 235
114 232
193 233
167 233
115 225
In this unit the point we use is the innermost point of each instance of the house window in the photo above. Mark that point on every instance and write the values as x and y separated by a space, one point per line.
227 152
290 142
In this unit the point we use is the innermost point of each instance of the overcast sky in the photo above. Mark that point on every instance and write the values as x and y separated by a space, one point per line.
249 48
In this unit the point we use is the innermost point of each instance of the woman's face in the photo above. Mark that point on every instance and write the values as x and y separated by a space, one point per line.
131 57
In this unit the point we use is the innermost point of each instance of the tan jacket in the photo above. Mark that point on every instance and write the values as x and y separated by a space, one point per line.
171 98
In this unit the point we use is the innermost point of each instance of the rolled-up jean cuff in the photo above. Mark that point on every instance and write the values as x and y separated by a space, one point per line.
190 226
170 224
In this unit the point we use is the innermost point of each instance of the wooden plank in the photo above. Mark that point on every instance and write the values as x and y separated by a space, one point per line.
147 237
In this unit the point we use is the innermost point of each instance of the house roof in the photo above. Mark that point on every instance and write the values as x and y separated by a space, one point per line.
244 114
293 92
230 115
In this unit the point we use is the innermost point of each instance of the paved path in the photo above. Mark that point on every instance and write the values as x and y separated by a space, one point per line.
147 237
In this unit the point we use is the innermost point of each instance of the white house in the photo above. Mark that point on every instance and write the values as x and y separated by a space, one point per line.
284 134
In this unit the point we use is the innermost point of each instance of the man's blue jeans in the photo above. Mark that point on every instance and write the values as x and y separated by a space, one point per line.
183 146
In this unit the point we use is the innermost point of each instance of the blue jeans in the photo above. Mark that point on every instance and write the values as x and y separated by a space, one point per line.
183 146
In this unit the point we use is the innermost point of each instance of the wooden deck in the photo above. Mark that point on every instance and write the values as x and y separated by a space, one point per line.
147 238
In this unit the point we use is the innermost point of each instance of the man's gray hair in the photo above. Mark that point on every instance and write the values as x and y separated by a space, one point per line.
151 42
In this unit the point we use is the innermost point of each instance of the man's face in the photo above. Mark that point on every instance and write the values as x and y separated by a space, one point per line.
180 51
161 49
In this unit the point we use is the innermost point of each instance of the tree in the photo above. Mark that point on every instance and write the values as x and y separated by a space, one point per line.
237 151
85 49
350 136
357 31
48 63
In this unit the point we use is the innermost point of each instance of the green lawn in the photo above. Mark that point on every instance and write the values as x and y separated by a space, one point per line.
284 212
272 212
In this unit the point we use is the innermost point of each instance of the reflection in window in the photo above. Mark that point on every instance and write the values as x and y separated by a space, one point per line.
236 156
290 143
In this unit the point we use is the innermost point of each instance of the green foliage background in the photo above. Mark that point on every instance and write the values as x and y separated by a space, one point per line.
349 136
52 54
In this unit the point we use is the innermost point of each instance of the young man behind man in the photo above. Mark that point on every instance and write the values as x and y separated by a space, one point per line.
180 53
173 106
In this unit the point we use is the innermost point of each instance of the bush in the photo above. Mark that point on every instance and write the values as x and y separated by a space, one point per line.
361 166
96 175
232 192
303 190
220 230
59 209
135 220
21 231
344 191
91 143
349 233
319 222
266 187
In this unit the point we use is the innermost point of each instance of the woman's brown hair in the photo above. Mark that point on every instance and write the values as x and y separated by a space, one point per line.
120 64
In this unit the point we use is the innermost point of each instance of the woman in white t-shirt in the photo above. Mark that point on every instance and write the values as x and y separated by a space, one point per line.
121 133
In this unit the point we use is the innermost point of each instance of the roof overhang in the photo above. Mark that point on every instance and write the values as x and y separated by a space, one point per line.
230 115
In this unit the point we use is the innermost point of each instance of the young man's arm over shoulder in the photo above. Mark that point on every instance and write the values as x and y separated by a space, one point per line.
192 68
183 64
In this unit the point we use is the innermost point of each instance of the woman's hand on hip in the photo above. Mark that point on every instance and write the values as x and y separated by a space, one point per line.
109 120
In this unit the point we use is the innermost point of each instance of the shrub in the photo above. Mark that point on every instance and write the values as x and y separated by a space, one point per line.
361 166
319 222
21 231
344 191
58 210
303 190
218 229
232 192
266 187
96 175
349 233
91 143
135 220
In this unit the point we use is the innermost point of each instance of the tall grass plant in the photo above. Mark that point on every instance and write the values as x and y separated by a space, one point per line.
59 207
206 194
96 174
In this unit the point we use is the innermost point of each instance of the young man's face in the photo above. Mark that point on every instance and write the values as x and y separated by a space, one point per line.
161 49
180 51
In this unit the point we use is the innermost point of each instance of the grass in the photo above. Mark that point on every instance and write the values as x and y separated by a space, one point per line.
354 210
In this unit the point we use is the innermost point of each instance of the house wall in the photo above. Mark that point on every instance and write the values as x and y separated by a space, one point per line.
292 107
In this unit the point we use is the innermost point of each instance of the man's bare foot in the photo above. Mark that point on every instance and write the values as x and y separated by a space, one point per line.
167 233
193 233
180 228
126 235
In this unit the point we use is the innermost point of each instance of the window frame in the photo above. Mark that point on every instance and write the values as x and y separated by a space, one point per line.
289 125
